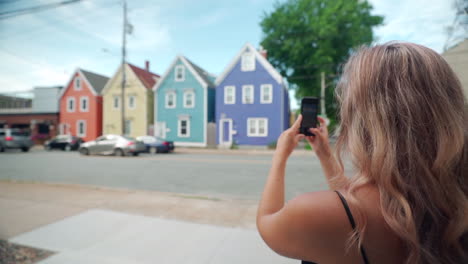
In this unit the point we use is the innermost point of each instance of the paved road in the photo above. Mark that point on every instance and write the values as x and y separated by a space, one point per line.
236 176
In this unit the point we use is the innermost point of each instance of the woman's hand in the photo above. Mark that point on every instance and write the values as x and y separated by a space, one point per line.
319 142
288 140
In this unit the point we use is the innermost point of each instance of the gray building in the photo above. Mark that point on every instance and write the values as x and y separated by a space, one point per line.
457 58
46 99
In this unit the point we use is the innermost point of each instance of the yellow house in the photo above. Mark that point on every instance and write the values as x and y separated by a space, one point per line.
139 106
457 58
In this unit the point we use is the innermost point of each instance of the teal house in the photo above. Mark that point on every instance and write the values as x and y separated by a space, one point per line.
184 101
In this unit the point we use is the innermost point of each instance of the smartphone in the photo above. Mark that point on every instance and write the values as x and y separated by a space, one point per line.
309 111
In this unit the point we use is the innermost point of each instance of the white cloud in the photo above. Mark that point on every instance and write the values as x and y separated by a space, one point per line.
148 31
38 73
211 18
419 21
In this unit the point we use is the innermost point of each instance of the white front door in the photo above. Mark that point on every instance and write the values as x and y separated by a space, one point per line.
160 130
225 132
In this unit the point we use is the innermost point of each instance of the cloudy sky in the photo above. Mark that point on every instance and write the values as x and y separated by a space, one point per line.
46 47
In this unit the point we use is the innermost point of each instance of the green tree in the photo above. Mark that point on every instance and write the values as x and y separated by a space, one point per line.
307 37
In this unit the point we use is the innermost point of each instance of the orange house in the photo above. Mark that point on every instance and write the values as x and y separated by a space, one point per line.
81 105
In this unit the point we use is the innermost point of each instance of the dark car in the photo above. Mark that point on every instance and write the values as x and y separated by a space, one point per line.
63 142
15 138
156 145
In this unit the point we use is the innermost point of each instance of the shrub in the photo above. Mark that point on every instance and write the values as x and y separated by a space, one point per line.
272 145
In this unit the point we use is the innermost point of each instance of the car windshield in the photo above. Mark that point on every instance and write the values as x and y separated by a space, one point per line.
129 138
20 133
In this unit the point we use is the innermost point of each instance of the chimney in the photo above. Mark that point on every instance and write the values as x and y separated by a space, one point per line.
147 64
263 52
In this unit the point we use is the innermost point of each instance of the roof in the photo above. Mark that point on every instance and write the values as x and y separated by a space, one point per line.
147 78
97 81
263 61
203 77
203 74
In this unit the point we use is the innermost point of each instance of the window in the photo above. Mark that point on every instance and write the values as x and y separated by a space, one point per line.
128 127
41 129
170 100
247 94
116 102
81 128
70 104
132 101
229 95
179 73
189 99
84 104
77 83
184 127
257 127
248 61
266 94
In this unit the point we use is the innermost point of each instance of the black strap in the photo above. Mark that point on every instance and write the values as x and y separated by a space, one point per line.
353 224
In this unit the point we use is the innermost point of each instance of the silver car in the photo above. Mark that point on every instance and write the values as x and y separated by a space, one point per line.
15 138
113 145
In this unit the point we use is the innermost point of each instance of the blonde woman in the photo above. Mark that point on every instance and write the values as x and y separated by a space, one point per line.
403 124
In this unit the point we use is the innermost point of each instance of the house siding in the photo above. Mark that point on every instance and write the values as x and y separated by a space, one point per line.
171 116
92 116
275 112
457 58
112 118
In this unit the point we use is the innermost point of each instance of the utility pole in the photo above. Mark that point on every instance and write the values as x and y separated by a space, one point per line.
124 80
322 95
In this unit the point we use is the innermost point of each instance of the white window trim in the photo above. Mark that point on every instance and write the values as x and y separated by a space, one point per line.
244 87
233 94
262 93
81 104
243 57
177 68
118 102
179 126
257 133
77 87
185 99
134 102
71 110
78 134
167 100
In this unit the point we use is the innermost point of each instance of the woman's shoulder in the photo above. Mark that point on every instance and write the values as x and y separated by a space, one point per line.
325 218
308 227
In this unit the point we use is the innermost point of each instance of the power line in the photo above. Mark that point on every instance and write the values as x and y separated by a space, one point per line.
29 10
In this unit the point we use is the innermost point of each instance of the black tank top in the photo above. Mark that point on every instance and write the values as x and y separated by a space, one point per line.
353 225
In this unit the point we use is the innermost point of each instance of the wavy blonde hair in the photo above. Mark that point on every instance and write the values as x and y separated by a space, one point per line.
403 122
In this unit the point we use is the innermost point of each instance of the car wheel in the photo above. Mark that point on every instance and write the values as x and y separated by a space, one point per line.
135 154
25 149
2 149
157 150
84 151
67 147
119 153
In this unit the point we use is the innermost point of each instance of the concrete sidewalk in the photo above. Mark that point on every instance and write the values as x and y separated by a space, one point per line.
97 225
101 236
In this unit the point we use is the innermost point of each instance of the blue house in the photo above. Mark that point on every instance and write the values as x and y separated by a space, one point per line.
252 101
184 105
